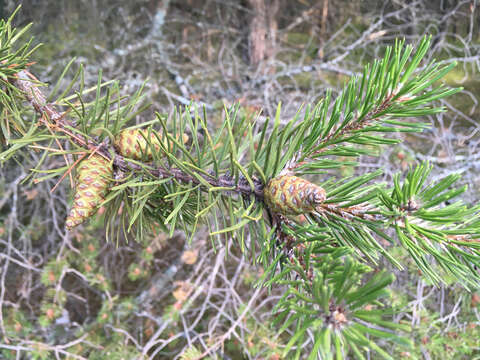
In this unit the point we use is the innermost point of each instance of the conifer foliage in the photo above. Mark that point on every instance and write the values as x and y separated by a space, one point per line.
265 186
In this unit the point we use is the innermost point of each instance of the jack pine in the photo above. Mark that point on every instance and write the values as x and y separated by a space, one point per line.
132 143
92 181
292 195
327 293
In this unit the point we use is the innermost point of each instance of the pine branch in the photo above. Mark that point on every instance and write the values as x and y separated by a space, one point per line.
349 212
365 109
52 117
356 125
318 234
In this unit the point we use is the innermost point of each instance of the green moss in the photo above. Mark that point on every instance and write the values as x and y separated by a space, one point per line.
298 38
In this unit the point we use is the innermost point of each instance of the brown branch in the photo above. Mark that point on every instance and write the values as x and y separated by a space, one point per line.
349 213
35 96
55 119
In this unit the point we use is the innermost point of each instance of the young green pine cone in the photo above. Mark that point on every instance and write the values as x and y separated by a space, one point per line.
131 143
291 195
93 177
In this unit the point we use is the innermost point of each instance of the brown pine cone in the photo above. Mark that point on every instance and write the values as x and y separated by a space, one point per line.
131 143
291 195
93 177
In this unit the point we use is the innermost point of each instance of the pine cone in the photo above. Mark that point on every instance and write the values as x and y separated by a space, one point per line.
93 177
131 143
291 195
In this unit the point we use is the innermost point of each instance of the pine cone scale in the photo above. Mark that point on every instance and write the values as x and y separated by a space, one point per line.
133 144
91 187
291 195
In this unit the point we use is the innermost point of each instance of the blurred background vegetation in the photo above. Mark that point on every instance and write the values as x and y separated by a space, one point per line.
74 295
